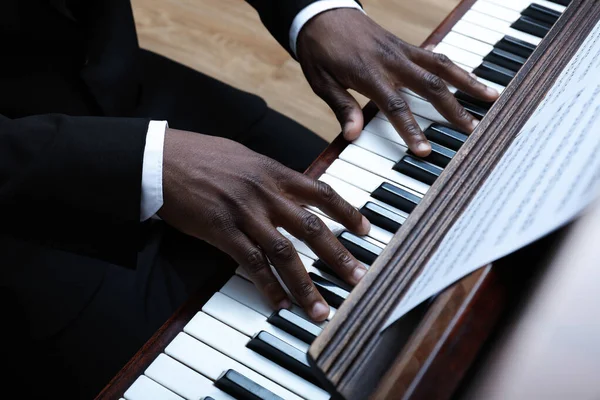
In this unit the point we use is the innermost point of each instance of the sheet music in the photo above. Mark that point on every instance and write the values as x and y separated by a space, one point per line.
549 174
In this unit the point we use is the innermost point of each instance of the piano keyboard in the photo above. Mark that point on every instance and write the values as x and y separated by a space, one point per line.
237 347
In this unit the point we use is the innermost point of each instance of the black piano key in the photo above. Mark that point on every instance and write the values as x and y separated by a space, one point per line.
320 265
460 95
396 197
531 26
476 111
359 248
562 2
494 73
282 354
240 387
505 59
541 13
382 217
418 169
441 155
208 398
445 136
515 46
295 325
332 293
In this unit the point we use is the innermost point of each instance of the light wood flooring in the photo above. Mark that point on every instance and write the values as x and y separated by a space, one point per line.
226 40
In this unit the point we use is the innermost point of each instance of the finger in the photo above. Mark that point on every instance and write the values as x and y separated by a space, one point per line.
284 258
442 66
252 259
316 193
434 89
395 108
344 105
308 227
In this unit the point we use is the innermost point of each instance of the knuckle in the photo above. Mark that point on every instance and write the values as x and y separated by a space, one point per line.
397 106
303 289
412 131
282 249
255 261
222 221
434 85
343 258
442 60
325 191
312 225
352 213
463 113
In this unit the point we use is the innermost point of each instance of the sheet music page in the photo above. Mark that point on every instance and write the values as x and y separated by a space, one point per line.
549 174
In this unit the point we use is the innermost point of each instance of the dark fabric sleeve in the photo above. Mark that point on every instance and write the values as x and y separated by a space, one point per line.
73 183
278 15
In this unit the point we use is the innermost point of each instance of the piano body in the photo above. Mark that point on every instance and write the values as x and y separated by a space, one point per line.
228 343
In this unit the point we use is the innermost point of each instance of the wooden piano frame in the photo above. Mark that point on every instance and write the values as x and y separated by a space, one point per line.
427 354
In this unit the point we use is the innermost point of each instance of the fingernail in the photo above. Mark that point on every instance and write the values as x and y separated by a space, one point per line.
359 273
365 225
284 304
319 311
474 124
423 148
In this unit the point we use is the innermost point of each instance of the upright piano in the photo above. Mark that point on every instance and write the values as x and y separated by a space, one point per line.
228 343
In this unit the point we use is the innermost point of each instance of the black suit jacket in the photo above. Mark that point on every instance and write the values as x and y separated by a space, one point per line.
74 182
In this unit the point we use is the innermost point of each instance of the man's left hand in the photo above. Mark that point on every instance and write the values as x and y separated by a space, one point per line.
344 49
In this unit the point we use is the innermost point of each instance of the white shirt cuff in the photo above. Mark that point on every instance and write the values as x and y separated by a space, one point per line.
152 190
312 10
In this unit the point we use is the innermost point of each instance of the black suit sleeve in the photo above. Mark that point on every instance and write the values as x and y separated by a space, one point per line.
73 183
278 15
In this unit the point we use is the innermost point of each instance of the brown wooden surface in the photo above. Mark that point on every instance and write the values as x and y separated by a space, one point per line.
343 350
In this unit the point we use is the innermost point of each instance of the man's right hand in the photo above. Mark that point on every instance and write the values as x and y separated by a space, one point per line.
225 194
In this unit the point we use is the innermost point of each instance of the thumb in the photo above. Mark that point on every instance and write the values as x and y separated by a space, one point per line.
344 105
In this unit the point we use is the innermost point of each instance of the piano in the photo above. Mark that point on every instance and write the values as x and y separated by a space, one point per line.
229 343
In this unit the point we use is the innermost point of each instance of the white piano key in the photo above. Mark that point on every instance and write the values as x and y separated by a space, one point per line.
500 26
487 21
381 146
477 32
520 5
233 344
246 320
496 11
357 197
245 292
360 177
551 5
467 43
182 380
305 261
211 363
380 166
458 55
493 85
526 37
145 388
376 234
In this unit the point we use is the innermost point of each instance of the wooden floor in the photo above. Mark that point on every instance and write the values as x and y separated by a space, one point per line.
225 39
